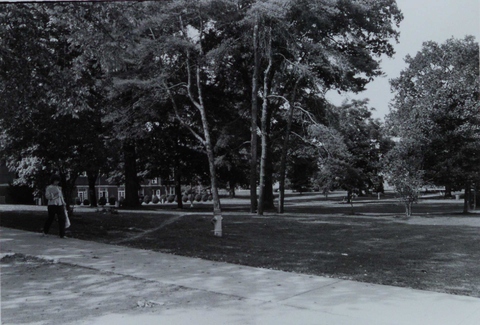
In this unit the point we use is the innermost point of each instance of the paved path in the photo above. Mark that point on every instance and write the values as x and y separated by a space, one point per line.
246 295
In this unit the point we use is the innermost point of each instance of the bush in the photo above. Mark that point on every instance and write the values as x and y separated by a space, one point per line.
163 198
112 200
198 197
205 197
19 194
155 199
122 199
171 198
86 202
102 201
77 201
185 198
146 199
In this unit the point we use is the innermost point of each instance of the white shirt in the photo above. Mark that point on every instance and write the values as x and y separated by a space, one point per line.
54 195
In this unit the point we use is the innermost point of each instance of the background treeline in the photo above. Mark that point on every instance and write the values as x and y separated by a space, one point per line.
227 93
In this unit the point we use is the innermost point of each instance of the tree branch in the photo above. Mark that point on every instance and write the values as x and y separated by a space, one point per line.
179 118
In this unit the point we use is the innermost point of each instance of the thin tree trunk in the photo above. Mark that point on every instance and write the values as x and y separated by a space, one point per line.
92 193
408 209
178 185
67 186
268 198
254 124
264 120
448 191
475 191
131 180
207 141
466 199
231 186
283 158
217 209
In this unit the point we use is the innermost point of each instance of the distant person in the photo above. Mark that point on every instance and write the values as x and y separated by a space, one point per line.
56 206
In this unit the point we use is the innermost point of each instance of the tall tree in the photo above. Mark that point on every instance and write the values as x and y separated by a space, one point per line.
436 104
403 169
326 44
366 143
48 100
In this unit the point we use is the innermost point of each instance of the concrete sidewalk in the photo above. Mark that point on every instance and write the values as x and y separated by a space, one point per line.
253 295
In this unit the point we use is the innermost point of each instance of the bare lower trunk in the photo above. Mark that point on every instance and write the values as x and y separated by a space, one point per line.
178 186
217 210
283 158
92 193
475 191
264 120
131 180
448 191
197 100
254 126
67 183
269 198
466 200
408 209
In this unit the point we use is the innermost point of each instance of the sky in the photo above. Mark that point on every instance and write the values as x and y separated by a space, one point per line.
424 20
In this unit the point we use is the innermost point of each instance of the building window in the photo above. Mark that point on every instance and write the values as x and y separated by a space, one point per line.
103 192
82 195
154 181
121 194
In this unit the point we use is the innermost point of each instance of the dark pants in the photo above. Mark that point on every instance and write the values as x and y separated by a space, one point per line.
59 211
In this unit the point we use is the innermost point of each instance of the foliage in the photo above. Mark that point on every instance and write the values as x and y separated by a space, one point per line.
43 85
365 141
117 78
436 105
403 170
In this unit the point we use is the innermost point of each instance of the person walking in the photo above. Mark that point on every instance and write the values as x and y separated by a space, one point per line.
56 206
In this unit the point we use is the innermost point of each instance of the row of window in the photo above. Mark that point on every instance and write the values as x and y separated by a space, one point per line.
82 193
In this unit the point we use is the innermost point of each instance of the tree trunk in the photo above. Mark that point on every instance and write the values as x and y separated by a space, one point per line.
217 210
254 124
349 196
197 101
475 191
466 200
178 184
67 186
283 158
268 199
131 180
92 193
448 191
264 134
231 187
408 209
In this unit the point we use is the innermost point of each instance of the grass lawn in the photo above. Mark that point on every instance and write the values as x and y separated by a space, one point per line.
438 249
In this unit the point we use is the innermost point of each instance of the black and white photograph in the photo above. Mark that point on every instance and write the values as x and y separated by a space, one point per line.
250 162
